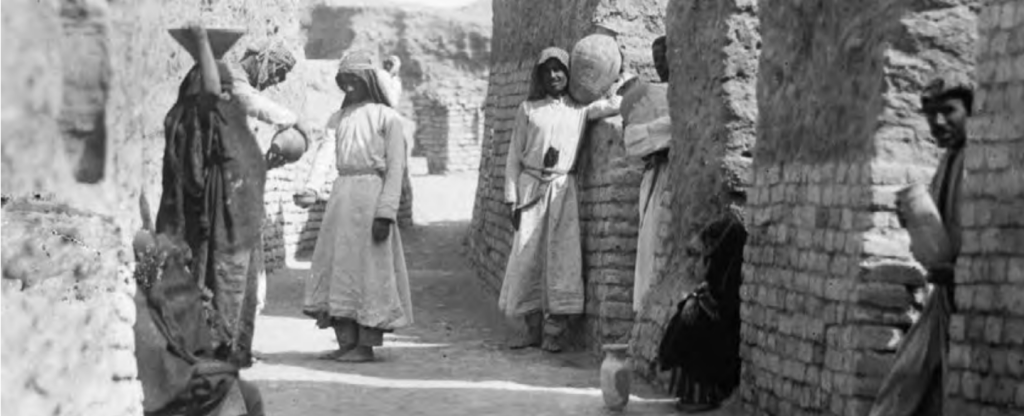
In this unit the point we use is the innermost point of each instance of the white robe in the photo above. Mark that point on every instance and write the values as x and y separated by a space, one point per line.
652 190
352 276
544 271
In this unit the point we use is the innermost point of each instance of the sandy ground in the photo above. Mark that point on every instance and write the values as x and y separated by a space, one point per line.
452 361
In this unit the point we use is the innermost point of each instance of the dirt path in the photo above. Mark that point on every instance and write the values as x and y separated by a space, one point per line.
451 362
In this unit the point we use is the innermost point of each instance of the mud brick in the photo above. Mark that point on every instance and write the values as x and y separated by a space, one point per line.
993 329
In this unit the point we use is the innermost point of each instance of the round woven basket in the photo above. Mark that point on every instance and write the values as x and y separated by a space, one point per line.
594 67
645 103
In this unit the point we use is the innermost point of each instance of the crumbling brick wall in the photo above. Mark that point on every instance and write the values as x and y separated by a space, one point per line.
609 220
88 84
522 29
69 205
448 132
986 357
839 132
712 50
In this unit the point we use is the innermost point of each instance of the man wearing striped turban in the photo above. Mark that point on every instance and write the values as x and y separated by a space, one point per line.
359 285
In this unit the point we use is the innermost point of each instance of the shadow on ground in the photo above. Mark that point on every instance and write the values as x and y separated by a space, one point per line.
451 361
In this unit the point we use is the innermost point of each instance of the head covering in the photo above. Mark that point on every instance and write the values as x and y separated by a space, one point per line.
396 63
363 64
949 84
536 89
263 62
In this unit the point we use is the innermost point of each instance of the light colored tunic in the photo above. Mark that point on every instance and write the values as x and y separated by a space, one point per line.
652 190
258 108
544 269
352 276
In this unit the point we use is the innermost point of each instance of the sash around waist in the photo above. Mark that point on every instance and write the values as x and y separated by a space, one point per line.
544 174
360 171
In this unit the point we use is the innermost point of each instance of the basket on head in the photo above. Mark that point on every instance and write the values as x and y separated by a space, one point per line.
594 67
221 40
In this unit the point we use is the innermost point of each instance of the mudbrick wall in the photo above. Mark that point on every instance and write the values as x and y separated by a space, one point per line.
448 133
713 52
839 131
608 182
442 53
74 74
986 357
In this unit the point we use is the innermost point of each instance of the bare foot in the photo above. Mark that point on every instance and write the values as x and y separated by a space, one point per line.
551 346
524 341
359 354
333 354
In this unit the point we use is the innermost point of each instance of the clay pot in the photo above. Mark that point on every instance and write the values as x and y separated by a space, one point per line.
221 40
594 67
616 376
288 143
928 240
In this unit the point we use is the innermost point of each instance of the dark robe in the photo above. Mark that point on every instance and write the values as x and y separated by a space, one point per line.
915 386
213 178
701 345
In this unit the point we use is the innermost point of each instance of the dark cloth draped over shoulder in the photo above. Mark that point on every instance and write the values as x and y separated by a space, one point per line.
177 368
703 338
213 174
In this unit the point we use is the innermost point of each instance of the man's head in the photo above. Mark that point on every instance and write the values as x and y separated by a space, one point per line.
554 77
658 54
946 102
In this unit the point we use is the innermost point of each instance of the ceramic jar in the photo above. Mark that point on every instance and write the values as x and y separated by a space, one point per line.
928 240
616 376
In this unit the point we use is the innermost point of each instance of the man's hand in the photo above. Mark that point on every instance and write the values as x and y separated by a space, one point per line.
381 229
941 274
274 158
306 130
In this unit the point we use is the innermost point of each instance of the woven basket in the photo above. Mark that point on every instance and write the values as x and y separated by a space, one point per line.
645 103
594 68
928 240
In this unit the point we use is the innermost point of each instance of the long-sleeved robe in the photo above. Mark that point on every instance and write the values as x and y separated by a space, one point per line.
352 276
258 109
652 190
544 269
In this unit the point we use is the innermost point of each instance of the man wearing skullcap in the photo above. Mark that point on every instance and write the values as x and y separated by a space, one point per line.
916 384
359 285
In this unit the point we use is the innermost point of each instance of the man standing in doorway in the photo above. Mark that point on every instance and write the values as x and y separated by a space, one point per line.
916 384
650 141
